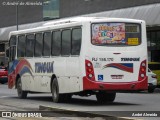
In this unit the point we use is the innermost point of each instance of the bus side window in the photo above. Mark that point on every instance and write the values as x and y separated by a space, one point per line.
56 43
21 46
76 41
38 45
12 53
47 44
66 42
30 40
12 41
12 49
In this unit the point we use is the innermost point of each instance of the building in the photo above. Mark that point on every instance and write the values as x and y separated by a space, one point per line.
22 14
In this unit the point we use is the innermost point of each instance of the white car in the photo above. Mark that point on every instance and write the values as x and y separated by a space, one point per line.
152 81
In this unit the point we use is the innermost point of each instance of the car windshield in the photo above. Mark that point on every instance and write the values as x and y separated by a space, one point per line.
2 68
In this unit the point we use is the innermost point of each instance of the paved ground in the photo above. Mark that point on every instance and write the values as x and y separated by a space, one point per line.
124 102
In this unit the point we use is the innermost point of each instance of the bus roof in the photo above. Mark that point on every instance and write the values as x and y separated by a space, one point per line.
79 19
64 22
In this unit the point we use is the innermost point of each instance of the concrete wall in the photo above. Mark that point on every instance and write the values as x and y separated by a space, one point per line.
78 7
26 13
34 13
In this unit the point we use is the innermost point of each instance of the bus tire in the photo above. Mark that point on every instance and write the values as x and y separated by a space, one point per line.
104 97
150 90
2 82
21 94
55 92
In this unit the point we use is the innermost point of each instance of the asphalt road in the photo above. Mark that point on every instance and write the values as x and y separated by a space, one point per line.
124 102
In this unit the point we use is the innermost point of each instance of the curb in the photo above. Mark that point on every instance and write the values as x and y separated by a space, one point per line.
60 112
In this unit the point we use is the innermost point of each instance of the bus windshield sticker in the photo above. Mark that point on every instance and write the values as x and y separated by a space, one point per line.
109 33
116 34
133 41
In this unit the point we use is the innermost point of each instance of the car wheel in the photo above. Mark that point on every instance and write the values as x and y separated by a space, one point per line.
21 94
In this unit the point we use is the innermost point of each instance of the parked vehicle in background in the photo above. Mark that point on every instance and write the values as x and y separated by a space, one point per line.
155 68
152 81
3 75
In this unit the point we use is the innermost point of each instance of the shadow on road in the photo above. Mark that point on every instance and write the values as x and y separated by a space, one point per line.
76 101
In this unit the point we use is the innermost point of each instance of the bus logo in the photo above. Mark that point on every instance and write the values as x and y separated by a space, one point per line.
130 59
44 67
128 67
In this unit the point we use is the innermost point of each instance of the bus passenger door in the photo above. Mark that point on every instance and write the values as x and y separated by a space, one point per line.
73 73
72 66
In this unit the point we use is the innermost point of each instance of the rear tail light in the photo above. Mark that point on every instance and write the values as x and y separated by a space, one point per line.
89 70
142 70
3 73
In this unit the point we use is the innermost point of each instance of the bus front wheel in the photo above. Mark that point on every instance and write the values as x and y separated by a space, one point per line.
21 94
104 97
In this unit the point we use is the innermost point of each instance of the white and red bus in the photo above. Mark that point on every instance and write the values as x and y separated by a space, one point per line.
79 56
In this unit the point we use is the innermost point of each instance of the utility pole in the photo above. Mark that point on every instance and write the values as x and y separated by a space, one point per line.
17 14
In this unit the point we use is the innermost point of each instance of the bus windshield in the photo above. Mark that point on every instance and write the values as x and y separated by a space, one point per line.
128 34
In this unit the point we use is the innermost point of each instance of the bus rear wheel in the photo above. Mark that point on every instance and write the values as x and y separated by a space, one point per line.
21 94
56 96
55 92
104 97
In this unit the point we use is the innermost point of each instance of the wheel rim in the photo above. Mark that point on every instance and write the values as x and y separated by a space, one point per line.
55 93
